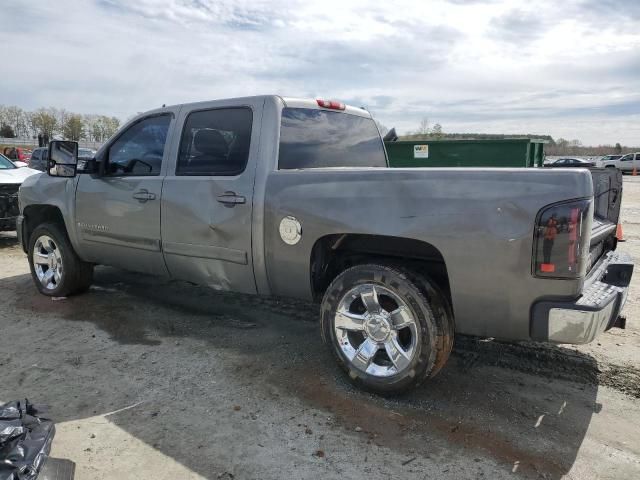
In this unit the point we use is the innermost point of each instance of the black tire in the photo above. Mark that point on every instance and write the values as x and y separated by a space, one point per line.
445 324
77 276
428 307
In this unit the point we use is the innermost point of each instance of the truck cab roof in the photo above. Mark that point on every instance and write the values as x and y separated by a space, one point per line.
292 102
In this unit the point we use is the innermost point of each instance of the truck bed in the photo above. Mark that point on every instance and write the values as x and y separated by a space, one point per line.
607 188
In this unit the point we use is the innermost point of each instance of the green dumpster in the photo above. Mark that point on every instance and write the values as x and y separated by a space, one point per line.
511 152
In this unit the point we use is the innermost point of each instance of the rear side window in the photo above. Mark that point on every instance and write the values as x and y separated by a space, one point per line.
36 155
215 142
311 138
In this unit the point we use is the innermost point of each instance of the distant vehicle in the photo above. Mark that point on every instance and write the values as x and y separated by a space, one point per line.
17 153
85 154
571 162
626 163
610 157
11 177
39 158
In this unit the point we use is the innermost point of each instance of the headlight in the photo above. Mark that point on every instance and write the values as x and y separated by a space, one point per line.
561 239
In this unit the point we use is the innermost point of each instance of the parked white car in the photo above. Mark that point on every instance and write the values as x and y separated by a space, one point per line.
11 177
625 163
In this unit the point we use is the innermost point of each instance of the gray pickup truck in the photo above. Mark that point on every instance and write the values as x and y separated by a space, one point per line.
281 196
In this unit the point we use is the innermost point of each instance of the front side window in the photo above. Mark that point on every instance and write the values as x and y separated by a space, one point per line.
139 150
312 138
215 142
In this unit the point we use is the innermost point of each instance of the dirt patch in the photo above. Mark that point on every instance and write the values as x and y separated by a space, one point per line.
548 361
419 431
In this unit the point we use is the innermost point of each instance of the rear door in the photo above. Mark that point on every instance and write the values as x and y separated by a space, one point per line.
626 162
208 195
118 213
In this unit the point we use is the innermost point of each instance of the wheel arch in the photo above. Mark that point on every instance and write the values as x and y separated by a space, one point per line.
332 254
38 214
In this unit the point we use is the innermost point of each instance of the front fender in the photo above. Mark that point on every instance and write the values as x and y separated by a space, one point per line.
44 190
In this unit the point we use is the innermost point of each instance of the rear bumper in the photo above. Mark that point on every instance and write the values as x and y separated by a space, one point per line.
596 310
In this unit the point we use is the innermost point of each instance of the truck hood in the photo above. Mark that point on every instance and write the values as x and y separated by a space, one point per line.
16 175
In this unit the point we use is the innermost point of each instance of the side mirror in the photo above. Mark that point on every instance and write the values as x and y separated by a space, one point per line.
89 165
63 158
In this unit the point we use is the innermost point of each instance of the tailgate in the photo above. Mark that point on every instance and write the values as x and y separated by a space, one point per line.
607 190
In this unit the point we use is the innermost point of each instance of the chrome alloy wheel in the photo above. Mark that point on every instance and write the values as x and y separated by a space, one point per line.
376 330
47 262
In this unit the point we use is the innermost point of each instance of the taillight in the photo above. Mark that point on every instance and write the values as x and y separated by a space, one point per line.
332 104
561 240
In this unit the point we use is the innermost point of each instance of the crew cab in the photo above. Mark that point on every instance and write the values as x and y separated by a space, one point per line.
292 197
626 163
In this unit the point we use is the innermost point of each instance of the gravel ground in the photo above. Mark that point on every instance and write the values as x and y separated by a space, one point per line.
154 379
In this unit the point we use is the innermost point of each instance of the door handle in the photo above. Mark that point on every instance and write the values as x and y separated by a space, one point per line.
230 199
144 195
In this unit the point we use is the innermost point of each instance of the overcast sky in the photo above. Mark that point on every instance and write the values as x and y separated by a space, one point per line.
565 68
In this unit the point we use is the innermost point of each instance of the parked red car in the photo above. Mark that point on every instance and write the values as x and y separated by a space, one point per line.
17 153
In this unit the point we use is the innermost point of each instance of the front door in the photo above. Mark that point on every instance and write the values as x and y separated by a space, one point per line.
118 213
207 199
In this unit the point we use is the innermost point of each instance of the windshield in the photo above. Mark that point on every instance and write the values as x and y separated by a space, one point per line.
5 163
311 138
85 152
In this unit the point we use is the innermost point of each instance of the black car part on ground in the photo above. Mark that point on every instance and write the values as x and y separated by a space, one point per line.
25 440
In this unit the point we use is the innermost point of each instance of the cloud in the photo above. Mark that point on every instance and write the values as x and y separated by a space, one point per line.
517 26
564 68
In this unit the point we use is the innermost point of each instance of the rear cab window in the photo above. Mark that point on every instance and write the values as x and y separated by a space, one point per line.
315 138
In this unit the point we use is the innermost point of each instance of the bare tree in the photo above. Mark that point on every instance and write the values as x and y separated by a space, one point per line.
61 117
3 115
15 119
423 129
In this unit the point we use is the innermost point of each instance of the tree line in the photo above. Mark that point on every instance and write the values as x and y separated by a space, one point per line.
18 123
553 146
